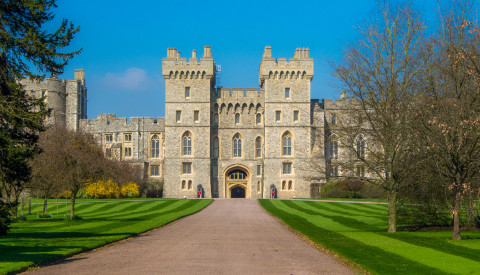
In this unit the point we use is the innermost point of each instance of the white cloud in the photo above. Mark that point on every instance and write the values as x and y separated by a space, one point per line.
133 79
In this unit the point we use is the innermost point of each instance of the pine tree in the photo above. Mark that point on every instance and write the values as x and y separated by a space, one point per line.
27 49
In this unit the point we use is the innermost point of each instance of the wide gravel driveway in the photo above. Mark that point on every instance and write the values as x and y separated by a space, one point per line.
231 236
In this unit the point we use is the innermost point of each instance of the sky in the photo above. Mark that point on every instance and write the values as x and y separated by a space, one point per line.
123 43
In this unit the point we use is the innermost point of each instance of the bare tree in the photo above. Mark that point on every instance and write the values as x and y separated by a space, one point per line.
379 75
451 107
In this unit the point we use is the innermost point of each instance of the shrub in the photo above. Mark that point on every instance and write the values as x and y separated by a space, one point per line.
153 189
45 216
351 185
130 190
75 217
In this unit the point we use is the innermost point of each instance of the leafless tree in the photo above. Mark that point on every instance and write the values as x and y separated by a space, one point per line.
380 76
450 113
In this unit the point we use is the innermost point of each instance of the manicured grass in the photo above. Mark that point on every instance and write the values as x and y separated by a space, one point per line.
39 240
346 199
357 232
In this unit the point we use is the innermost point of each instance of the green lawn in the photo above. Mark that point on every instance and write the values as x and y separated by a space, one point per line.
39 240
357 232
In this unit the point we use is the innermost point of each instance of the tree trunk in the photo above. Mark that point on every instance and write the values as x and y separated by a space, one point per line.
392 211
45 206
456 217
72 207
470 215
30 206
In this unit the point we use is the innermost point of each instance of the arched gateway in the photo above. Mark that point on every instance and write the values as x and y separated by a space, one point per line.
237 182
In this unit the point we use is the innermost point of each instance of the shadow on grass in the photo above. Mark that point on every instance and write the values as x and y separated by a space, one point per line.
57 235
370 257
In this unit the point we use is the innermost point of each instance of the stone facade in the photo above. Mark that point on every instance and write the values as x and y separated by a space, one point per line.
67 99
227 142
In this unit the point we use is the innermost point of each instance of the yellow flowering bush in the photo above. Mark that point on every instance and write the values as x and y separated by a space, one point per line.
109 189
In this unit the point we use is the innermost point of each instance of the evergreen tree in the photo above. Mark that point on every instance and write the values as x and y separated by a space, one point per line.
27 49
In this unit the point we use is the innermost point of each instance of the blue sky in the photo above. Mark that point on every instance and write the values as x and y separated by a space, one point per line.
124 42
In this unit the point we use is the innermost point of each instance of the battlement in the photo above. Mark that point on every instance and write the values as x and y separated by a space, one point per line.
111 123
176 67
298 67
239 93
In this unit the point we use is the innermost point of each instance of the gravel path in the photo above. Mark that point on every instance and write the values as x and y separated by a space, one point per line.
231 236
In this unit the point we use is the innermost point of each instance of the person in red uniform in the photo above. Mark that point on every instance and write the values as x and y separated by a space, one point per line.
273 193
199 193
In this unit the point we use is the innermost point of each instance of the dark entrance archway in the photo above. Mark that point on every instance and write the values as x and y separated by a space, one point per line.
237 192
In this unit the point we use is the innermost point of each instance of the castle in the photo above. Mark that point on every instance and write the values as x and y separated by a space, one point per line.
225 142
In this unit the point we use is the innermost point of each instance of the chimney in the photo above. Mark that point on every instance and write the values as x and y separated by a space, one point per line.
343 95
171 53
267 53
207 52
194 54
80 74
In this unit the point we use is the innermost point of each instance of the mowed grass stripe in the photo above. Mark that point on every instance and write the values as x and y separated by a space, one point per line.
364 255
36 241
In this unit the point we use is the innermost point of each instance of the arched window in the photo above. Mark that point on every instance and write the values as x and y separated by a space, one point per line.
155 147
184 185
187 144
259 118
258 187
215 119
287 144
333 148
258 147
237 146
361 147
215 147
189 185
284 185
237 118
290 185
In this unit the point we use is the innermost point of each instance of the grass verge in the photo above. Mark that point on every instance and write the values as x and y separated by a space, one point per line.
357 232
36 241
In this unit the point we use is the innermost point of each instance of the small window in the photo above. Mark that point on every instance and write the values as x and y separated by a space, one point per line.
215 147
290 185
259 118
155 170
155 147
360 120
127 137
284 185
187 92
215 119
109 138
287 168
237 146
184 185
295 116
186 168
334 171
258 147
259 184
334 119
237 118
287 144
278 115
287 93
128 151
259 170
195 116
43 93
187 144
190 185
179 116
360 171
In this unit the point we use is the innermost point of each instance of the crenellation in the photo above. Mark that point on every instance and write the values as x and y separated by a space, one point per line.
209 133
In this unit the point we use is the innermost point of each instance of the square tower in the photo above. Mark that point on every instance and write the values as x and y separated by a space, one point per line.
189 87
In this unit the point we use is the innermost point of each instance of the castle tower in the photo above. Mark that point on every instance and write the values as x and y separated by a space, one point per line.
76 100
287 122
189 89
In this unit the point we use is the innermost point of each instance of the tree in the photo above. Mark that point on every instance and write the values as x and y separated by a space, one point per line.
25 48
451 108
379 76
